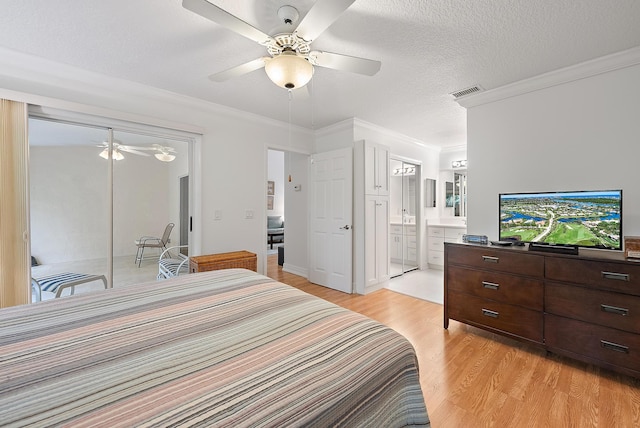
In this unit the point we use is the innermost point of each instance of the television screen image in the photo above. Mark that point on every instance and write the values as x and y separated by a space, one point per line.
583 218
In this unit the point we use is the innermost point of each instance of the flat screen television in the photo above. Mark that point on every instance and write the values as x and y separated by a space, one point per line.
581 219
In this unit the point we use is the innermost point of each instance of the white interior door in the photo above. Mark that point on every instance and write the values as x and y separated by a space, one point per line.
331 199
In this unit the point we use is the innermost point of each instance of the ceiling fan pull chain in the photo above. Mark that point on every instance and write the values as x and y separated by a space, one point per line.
289 138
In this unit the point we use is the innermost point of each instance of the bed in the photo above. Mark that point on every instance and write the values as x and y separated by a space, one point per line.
220 348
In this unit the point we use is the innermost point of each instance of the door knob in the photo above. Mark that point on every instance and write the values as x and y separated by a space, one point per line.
345 227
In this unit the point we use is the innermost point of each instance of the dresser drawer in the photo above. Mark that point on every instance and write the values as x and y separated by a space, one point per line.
606 308
435 231
593 342
436 243
514 261
454 234
500 287
515 320
436 258
623 277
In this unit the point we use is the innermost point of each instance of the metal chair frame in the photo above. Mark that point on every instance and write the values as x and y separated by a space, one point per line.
152 242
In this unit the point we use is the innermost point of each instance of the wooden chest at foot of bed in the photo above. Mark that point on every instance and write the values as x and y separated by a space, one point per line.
235 259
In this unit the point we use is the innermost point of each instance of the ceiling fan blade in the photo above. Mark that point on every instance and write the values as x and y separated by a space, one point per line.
353 64
134 151
320 17
163 149
239 70
224 18
127 147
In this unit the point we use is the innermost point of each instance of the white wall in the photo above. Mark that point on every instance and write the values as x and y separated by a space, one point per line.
69 203
297 218
276 172
580 135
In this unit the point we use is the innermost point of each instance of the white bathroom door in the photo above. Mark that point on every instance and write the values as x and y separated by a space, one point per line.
331 206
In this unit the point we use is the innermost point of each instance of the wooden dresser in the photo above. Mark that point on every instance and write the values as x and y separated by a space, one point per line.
583 308
235 259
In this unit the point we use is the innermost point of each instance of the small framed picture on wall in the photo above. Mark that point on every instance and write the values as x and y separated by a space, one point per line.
271 187
269 202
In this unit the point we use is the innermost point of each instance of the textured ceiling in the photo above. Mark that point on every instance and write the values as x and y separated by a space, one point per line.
428 49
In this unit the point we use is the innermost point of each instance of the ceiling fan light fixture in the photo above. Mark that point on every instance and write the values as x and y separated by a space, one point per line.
289 70
116 154
164 157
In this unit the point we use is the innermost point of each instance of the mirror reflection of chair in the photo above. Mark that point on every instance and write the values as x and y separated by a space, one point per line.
170 265
152 242
57 283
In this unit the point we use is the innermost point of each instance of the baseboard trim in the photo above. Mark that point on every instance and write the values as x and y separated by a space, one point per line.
296 270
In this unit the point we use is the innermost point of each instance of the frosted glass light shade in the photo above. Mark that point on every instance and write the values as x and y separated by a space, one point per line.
116 154
164 157
289 70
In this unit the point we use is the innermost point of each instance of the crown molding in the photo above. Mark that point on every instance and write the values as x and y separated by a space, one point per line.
456 148
396 136
343 125
605 64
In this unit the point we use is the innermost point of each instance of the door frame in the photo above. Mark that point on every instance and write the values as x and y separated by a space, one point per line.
419 208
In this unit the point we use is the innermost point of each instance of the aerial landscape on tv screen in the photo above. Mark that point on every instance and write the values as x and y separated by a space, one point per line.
590 219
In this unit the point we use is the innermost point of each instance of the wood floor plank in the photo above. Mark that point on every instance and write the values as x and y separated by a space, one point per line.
473 378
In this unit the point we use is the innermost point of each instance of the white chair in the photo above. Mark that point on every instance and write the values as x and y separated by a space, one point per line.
57 283
152 242
170 265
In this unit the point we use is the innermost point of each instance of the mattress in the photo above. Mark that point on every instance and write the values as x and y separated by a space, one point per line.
222 348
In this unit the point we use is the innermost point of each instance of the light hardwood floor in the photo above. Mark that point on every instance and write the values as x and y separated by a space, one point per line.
472 378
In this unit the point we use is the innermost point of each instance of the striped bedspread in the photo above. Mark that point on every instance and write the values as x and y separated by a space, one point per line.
226 348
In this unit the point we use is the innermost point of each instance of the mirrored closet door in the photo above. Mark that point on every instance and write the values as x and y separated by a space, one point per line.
403 191
94 192
69 207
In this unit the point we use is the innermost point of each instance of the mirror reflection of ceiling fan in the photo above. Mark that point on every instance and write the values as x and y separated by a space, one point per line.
162 153
291 62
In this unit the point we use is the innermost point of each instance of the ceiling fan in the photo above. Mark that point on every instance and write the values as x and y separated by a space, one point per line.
163 153
291 63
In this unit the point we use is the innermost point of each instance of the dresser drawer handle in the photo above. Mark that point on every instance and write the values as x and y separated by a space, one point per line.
614 347
488 313
490 285
614 310
490 259
616 276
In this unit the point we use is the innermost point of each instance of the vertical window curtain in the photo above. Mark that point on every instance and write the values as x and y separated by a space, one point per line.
15 264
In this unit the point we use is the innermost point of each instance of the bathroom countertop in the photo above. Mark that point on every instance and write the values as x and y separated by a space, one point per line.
456 226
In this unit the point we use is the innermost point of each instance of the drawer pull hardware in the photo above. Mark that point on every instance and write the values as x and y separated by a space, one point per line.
490 259
490 285
488 313
614 346
616 276
614 310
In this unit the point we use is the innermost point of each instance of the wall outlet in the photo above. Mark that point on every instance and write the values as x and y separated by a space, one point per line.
248 214
217 215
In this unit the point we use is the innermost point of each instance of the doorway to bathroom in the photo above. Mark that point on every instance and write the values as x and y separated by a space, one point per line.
403 193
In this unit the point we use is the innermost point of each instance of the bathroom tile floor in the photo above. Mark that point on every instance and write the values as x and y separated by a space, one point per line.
424 284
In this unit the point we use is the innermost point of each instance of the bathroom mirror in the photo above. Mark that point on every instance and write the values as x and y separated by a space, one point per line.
460 194
448 194
429 193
